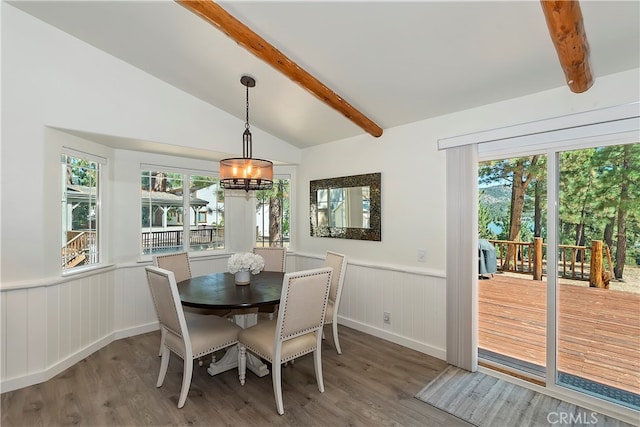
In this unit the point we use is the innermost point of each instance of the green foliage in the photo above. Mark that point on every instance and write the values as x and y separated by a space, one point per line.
485 220
597 187
81 172
278 201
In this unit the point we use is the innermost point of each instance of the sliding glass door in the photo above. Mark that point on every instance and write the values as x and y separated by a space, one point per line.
562 306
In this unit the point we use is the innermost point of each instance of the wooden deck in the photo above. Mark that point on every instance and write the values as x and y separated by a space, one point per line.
598 329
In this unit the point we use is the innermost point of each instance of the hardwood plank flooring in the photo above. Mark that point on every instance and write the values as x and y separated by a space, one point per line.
372 383
598 329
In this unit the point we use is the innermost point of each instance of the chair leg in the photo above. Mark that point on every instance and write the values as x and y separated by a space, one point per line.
163 333
335 337
186 380
242 363
164 364
317 364
276 376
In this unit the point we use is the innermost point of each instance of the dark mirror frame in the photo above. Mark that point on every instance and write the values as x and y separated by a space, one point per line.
374 232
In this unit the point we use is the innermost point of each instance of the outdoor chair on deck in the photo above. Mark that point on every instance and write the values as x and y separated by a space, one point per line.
190 338
296 332
487 262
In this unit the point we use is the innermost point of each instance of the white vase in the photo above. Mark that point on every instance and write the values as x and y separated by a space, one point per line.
243 277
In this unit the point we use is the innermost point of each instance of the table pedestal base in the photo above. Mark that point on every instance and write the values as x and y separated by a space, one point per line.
230 358
230 361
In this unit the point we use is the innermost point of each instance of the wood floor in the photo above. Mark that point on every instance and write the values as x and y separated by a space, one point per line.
372 383
598 329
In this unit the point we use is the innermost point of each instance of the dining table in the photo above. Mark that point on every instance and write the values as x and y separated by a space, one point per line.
219 291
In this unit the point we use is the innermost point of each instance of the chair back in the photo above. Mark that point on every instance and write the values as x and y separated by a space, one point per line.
339 264
178 263
166 299
275 259
303 304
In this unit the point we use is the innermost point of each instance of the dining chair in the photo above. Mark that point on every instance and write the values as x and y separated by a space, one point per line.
296 332
180 264
189 338
275 259
177 262
339 264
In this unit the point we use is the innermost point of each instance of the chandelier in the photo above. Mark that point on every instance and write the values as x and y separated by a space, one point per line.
246 173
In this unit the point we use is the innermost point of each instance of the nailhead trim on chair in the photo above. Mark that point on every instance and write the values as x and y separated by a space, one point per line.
264 356
310 329
212 349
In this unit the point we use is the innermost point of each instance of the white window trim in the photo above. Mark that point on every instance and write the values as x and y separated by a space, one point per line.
102 190
186 208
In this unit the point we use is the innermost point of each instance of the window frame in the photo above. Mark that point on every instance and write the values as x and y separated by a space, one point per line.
282 243
186 214
100 184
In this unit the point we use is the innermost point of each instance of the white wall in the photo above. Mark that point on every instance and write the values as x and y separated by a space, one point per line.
50 79
414 209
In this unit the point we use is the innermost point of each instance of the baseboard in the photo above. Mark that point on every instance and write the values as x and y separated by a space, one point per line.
136 330
60 366
45 375
439 353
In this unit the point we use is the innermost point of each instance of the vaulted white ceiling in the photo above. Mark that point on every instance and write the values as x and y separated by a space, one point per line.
397 62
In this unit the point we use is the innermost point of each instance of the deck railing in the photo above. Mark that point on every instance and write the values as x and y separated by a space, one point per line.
574 262
163 239
79 249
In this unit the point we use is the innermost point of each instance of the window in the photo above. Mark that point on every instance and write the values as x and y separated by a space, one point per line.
178 218
273 214
80 210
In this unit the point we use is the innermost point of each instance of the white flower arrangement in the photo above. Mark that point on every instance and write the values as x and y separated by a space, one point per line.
245 261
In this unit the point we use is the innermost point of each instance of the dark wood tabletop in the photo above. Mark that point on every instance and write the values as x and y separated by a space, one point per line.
218 290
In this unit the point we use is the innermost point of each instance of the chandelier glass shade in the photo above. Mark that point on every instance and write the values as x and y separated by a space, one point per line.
246 173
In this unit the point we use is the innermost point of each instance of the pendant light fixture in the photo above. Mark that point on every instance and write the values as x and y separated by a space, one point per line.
246 173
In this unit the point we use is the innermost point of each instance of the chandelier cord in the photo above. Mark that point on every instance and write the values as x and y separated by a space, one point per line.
247 143
246 123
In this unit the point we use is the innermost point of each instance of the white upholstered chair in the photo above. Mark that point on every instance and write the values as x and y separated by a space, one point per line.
275 259
180 265
296 332
177 262
188 338
339 264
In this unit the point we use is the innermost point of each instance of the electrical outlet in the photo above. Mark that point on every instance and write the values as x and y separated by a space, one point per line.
422 255
386 317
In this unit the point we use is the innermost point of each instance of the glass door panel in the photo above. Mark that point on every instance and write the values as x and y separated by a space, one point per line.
512 288
598 291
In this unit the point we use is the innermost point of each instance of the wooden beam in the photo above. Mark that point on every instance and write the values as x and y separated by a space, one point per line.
566 27
255 44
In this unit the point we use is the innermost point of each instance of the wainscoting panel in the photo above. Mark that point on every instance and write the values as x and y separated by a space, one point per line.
133 304
49 325
415 300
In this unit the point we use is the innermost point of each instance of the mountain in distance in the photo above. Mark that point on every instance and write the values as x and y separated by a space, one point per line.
497 198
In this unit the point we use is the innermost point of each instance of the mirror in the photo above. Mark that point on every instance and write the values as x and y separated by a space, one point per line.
346 207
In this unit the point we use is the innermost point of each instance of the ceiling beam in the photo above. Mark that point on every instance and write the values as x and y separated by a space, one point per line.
255 44
566 27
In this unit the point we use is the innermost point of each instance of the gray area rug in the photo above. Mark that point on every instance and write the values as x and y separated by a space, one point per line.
486 401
